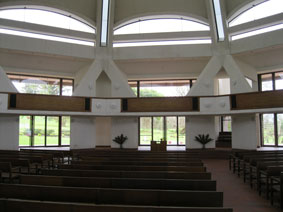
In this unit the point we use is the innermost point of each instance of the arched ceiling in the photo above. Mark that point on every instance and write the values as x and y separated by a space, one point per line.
130 9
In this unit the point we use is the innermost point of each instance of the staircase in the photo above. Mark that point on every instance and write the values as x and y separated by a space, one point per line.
224 140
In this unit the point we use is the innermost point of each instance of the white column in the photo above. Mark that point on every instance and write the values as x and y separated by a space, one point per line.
245 133
9 132
196 125
128 126
83 132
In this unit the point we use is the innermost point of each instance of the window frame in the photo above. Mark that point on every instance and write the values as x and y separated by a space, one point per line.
61 79
31 142
191 81
164 129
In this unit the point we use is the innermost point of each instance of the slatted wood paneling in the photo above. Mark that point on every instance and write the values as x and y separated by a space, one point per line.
47 102
258 100
168 104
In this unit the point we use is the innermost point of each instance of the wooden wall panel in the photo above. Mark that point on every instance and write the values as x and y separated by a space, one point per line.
259 100
169 104
48 102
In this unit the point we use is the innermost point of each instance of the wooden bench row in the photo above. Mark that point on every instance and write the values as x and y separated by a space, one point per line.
145 197
8 205
122 183
127 174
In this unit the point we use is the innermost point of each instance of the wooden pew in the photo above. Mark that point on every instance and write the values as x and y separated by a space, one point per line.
131 183
8 205
127 174
135 168
135 163
113 196
7 172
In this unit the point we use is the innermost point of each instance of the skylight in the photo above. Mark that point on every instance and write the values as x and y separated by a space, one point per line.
162 43
161 25
265 9
46 18
218 19
45 37
257 32
104 23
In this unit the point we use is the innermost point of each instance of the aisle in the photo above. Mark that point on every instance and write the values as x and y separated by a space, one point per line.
237 194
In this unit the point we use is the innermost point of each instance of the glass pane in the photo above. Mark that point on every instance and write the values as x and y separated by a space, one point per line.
226 123
161 25
268 129
158 128
39 130
171 130
52 137
266 82
280 129
65 130
47 18
67 87
36 85
134 86
145 130
279 80
25 131
164 88
182 130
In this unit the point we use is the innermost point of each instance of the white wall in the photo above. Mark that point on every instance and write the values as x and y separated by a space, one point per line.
196 125
245 134
9 132
128 126
82 132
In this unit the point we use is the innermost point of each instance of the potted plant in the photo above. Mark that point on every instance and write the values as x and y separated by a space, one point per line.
203 139
120 139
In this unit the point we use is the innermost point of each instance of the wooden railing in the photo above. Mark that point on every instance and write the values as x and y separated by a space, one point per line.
243 101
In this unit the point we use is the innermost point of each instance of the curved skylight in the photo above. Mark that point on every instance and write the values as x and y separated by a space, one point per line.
47 18
265 9
161 25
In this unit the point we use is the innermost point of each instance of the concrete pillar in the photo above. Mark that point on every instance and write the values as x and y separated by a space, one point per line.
9 132
83 133
245 133
196 125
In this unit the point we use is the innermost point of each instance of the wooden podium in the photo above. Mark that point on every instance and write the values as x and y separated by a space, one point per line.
158 146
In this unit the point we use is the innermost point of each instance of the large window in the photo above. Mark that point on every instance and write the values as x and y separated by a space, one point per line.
44 130
161 25
170 128
256 12
271 123
42 85
161 88
262 10
48 18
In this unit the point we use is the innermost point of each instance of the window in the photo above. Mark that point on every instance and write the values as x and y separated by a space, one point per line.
44 130
46 18
218 20
170 128
262 10
256 12
161 88
162 25
42 85
271 123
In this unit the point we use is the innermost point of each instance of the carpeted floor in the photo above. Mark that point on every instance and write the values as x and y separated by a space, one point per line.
237 194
